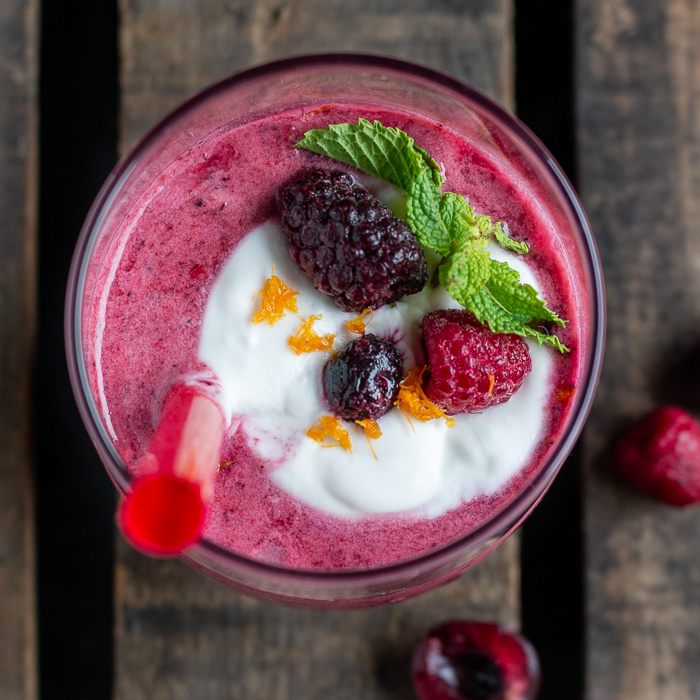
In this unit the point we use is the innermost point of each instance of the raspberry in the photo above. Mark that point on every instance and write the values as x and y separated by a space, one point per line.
474 661
660 454
362 380
471 367
348 242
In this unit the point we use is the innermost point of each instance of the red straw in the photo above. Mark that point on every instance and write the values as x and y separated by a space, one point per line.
165 510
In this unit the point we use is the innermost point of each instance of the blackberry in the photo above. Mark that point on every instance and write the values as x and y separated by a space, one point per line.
362 380
348 242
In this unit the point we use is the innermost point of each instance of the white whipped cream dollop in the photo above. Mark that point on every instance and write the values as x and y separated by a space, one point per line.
423 469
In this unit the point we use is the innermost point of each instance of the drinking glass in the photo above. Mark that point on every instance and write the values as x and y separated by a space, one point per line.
318 80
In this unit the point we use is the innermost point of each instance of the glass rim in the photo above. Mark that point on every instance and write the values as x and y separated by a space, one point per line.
501 522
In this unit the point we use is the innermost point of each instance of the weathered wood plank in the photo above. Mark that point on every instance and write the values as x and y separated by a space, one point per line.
18 199
179 635
638 75
171 49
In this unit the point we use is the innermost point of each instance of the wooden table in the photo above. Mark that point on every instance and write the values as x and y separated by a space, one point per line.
636 121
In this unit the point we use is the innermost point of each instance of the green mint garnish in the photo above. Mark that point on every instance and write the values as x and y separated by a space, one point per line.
445 223
388 154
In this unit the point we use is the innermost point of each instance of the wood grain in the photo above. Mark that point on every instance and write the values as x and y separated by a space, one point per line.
638 76
18 182
170 49
179 635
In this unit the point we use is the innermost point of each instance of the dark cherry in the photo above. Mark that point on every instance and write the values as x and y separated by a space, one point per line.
474 661
475 676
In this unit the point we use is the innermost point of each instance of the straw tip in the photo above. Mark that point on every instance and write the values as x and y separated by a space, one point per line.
162 514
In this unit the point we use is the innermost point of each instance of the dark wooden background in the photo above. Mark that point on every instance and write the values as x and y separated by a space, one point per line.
605 582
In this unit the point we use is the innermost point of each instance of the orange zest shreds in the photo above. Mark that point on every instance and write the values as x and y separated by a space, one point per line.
330 427
318 110
358 325
492 382
277 299
307 340
372 430
412 399
226 463
371 427
565 392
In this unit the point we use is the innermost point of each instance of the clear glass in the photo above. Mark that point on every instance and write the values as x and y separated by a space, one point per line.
318 79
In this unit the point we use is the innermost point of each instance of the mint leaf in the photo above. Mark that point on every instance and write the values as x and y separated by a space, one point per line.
460 220
387 153
489 310
496 230
505 286
429 164
500 319
445 223
423 214
544 339
465 271
452 209
508 306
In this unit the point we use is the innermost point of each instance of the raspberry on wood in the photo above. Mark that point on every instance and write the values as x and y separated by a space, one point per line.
362 380
660 454
471 367
349 243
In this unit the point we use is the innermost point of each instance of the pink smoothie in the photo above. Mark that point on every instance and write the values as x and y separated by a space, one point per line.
155 283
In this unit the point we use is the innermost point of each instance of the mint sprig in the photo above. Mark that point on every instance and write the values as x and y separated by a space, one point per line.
388 154
445 223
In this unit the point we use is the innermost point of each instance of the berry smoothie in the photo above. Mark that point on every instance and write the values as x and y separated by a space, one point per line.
177 291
